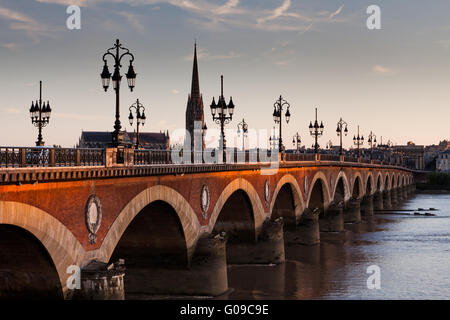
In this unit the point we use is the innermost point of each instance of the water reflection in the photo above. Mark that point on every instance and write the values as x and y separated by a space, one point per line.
412 252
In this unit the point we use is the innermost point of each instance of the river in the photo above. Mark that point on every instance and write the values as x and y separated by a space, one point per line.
412 253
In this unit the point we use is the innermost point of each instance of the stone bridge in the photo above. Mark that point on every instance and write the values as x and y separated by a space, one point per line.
175 226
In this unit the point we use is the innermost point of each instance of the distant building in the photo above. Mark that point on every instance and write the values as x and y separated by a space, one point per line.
432 152
147 140
414 155
443 161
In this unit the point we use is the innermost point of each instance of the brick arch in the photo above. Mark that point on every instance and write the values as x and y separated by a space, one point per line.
188 218
327 198
373 183
62 246
299 202
346 185
244 185
379 175
362 190
388 186
393 181
398 179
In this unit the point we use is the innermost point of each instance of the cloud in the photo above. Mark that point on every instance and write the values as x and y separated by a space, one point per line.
21 22
382 70
228 8
203 54
133 20
338 11
175 91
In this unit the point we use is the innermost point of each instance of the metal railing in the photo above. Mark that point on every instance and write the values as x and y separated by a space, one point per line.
22 157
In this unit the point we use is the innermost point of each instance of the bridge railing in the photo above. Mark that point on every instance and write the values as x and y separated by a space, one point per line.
21 157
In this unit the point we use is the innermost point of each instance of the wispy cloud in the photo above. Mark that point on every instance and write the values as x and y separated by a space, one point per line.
133 19
338 11
381 70
175 91
203 54
21 22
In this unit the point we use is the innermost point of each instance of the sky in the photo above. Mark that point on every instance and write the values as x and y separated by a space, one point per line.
393 81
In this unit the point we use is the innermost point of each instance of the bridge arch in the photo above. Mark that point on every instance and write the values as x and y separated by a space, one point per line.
186 215
288 186
319 191
341 188
379 182
399 180
246 189
387 181
393 181
61 245
370 184
358 186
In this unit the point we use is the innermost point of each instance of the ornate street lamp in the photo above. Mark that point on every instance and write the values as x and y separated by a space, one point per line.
273 139
316 131
40 115
277 115
372 140
116 78
222 114
340 131
358 141
296 141
140 118
243 126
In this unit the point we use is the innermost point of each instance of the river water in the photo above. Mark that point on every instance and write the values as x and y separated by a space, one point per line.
412 252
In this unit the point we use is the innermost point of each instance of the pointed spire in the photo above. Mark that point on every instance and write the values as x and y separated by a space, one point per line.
195 89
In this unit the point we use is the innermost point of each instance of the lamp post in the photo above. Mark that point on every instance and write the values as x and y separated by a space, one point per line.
116 77
372 140
244 127
296 141
222 114
340 130
358 141
140 118
316 131
277 115
40 115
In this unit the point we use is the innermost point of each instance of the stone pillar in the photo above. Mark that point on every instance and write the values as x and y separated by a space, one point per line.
307 231
269 248
378 201
333 220
405 193
353 211
394 197
367 206
101 282
387 200
400 194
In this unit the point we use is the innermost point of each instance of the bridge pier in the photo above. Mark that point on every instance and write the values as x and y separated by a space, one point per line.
400 197
206 274
307 231
268 249
367 206
387 200
333 220
405 193
394 197
378 200
352 214
101 282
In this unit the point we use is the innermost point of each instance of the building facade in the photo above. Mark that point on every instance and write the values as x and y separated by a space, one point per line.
443 162
147 140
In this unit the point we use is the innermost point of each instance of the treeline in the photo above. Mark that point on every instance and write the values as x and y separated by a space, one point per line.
439 179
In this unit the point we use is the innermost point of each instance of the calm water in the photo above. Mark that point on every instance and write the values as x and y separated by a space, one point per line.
412 252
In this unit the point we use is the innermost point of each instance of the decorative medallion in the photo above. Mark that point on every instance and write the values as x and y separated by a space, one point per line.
267 192
204 200
93 212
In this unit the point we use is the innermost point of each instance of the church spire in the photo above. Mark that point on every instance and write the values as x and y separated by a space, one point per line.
195 88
